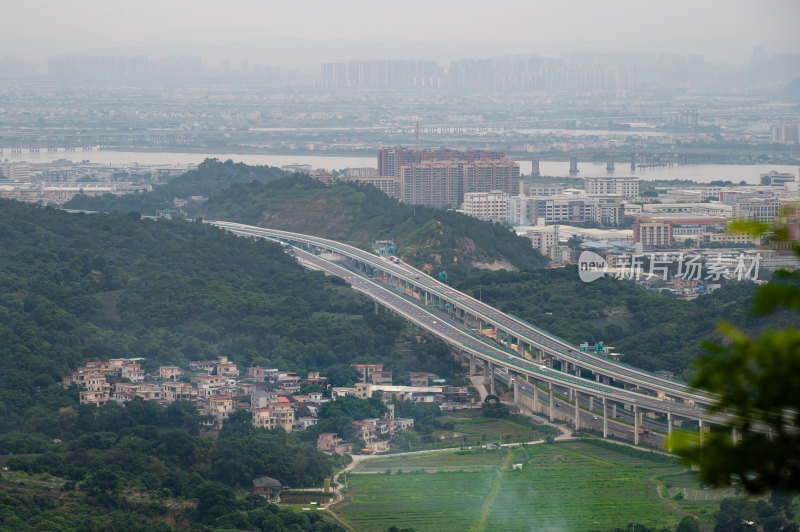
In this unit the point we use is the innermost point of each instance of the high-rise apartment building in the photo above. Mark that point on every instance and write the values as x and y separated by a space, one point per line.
440 178
627 187
431 183
486 175
786 133
388 185
390 160
492 206
652 233
382 75
15 171
757 209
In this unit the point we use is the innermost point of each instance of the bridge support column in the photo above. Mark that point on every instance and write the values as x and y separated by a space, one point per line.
550 386
520 347
577 410
488 376
535 397
735 436
591 403
472 365
605 419
614 411
516 389
538 356
497 336
702 431
573 166
636 424
669 432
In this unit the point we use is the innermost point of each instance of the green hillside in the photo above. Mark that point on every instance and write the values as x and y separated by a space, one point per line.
91 287
210 177
360 215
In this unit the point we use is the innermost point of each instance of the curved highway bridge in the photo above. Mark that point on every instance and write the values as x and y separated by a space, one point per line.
504 346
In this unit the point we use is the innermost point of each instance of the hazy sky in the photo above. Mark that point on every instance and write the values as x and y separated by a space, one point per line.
720 29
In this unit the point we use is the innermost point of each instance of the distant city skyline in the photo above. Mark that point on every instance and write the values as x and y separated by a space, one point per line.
306 33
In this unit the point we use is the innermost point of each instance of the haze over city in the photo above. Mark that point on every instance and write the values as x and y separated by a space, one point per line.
304 33
422 266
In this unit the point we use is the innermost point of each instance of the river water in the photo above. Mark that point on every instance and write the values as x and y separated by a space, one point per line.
700 172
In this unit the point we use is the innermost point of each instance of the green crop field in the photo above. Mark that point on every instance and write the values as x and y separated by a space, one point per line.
566 486
475 428
431 462
424 501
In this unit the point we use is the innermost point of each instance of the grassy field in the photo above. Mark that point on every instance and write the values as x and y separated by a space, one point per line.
449 501
431 463
470 427
566 486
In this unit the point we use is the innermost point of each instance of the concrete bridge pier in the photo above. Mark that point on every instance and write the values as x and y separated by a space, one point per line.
591 403
605 419
535 397
669 431
550 386
577 410
573 166
516 388
472 365
702 431
614 411
488 376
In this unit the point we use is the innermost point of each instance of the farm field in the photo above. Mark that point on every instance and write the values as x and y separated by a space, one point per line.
565 486
470 427
430 462
448 501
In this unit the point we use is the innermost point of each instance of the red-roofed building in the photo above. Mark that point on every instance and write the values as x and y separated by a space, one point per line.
418 378
132 372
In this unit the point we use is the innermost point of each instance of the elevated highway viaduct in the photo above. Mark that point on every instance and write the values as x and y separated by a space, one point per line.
487 338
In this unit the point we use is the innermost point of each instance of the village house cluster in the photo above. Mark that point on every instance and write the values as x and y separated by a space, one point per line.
217 388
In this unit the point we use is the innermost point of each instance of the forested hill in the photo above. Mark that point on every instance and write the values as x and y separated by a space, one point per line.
77 287
210 177
361 215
